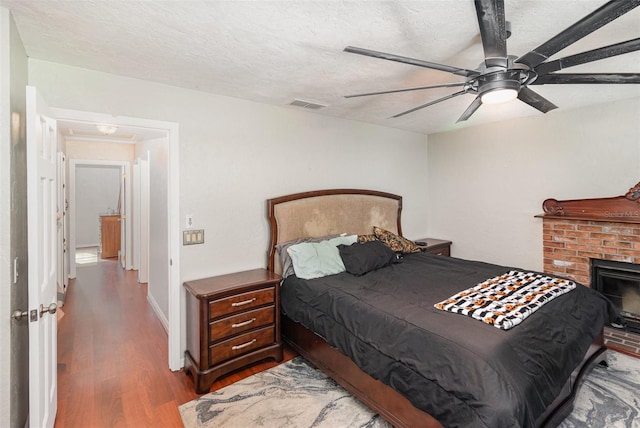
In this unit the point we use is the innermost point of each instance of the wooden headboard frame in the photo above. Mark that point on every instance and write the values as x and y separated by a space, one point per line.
327 212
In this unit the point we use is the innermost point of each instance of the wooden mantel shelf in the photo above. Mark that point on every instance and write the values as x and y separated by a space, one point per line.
632 220
619 209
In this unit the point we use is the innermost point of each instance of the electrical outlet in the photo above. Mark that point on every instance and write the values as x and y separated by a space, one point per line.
189 221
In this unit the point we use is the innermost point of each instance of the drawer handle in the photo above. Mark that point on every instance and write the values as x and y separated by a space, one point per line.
242 324
245 302
244 345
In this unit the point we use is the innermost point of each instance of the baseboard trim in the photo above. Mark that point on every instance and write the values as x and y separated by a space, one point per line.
158 312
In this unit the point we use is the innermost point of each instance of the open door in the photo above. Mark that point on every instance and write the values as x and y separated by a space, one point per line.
122 210
63 278
42 240
135 216
143 269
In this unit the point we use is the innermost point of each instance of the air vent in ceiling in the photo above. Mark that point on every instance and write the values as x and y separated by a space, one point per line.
307 104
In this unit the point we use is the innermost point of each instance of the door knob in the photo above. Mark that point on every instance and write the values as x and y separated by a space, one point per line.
51 309
18 315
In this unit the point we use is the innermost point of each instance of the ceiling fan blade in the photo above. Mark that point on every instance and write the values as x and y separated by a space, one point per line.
587 78
596 19
493 31
535 100
475 105
588 56
412 61
392 91
430 103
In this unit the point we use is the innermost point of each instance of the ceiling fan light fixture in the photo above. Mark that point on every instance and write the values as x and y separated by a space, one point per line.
499 87
107 129
499 96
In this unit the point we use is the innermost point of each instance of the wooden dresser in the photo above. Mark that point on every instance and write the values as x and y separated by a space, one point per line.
109 235
232 321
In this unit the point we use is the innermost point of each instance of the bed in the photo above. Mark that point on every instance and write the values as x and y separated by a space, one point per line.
381 338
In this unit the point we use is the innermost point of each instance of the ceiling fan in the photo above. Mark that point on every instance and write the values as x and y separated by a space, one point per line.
502 77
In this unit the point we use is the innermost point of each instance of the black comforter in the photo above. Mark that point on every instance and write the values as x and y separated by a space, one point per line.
462 371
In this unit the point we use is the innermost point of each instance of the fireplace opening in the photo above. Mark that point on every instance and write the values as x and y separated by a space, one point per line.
620 283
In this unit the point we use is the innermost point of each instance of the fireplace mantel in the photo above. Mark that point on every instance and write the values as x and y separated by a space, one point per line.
619 209
576 231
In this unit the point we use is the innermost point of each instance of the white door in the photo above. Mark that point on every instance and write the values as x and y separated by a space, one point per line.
61 220
135 216
42 240
122 210
143 272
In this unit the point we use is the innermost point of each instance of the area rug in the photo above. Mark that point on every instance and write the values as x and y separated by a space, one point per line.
609 397
297 395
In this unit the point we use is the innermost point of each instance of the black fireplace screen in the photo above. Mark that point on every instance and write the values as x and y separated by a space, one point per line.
620 282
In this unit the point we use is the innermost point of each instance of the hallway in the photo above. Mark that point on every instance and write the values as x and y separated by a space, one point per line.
112 355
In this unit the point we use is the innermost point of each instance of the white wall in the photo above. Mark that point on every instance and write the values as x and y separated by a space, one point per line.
97 192
156 152
486 183
99 151
235 154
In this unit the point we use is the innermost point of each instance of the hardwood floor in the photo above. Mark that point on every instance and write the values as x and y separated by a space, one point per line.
112 356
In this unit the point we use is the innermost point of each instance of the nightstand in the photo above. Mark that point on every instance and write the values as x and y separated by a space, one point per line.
439 247
232 321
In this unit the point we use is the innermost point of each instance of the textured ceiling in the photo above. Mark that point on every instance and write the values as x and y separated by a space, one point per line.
277 51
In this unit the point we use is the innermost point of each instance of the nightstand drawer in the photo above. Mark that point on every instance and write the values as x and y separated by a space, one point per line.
242 322
441 252
241 345
438 247
240 302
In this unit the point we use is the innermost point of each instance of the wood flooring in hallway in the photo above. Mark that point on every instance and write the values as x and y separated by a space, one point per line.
112 356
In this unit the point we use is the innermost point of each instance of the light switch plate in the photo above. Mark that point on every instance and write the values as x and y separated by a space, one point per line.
191 237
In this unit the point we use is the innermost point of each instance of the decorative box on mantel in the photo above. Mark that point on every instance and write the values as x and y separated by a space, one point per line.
577 231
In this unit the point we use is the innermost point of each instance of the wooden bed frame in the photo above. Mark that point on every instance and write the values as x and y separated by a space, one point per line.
353 211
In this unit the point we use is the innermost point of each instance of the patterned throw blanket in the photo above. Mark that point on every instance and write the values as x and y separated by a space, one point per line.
506 300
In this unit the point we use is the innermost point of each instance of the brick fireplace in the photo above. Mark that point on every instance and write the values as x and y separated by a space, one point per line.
568 245
576 231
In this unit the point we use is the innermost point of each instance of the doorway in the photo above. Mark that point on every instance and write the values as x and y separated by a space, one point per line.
167 262
99 192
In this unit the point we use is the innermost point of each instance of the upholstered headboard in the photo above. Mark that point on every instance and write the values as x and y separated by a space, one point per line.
326 212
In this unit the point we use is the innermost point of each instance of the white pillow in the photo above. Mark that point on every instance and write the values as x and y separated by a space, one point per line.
318 259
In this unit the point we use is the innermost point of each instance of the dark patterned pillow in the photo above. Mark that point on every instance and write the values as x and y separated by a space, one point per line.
395 242
366 238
